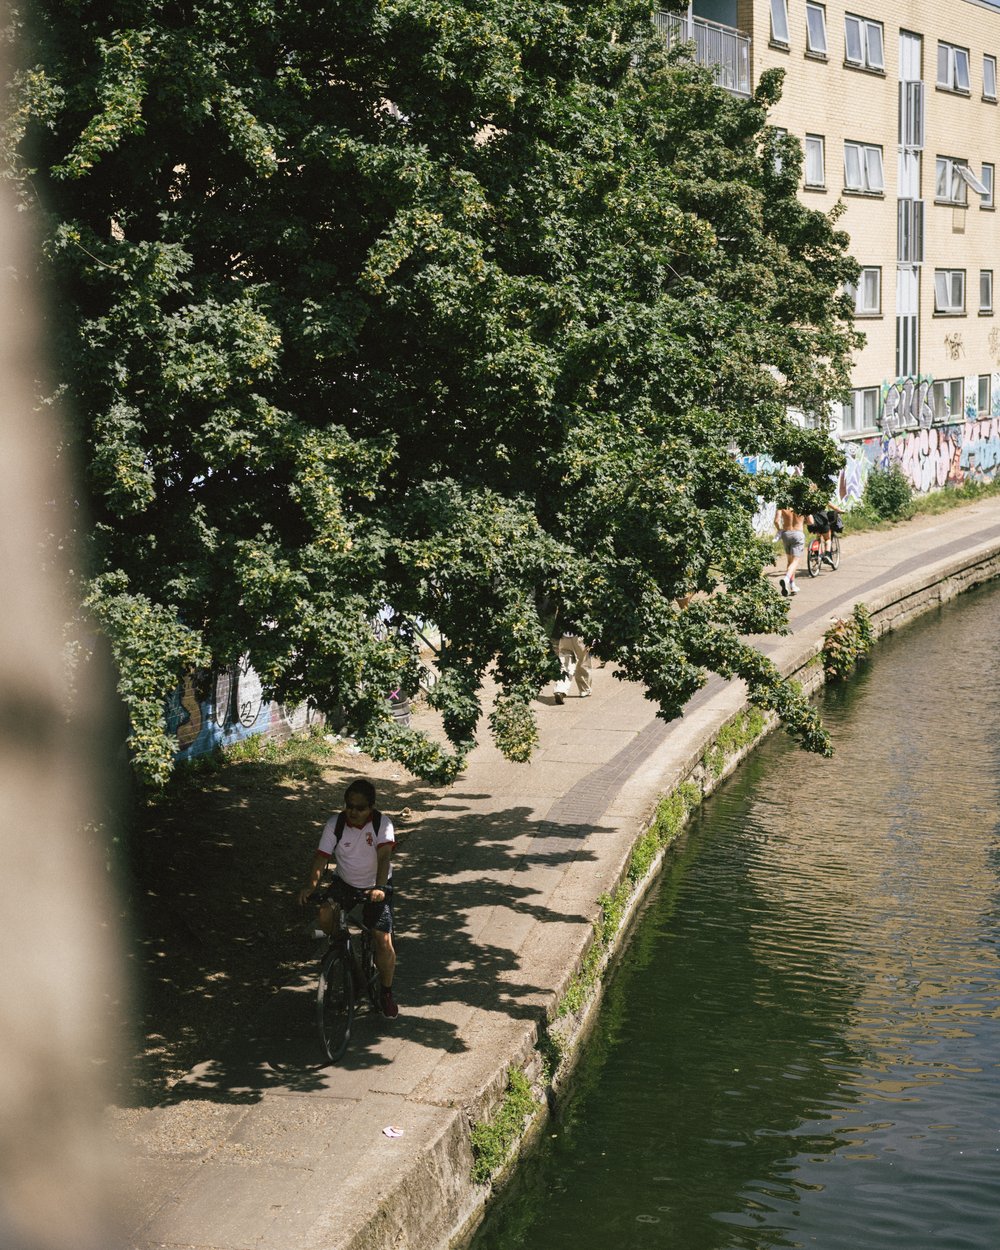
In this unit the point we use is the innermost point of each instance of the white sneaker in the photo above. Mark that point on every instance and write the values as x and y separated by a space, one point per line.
783 583
793 589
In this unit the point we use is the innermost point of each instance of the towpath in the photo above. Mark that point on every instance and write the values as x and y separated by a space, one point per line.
263 1148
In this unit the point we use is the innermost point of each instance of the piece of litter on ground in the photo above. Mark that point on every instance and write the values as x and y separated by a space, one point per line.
391 1130
394 777
353 750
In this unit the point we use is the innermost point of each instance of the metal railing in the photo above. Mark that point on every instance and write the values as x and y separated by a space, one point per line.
722 49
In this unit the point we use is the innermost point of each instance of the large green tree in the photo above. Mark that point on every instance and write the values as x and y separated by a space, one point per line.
463 308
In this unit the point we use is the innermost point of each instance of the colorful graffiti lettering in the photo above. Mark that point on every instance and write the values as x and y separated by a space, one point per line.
944 455
905 403
217 710
980 451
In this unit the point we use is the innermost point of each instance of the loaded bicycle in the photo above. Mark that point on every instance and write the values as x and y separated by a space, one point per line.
815 555
824 545
348 979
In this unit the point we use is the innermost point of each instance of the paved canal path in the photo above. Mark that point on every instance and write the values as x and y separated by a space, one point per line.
801 1047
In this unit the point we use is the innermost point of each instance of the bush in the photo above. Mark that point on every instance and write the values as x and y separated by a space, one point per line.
847 642
888 494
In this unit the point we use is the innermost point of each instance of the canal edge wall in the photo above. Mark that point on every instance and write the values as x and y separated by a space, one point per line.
689 762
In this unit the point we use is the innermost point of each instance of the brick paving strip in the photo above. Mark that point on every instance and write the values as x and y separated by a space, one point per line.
263 1148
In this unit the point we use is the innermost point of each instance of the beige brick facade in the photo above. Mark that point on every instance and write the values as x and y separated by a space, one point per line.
931 362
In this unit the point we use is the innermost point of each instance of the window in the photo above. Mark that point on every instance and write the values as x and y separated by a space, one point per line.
949 186
910 231
778 137
946 399
949 291
953 68
815 175
816 29
989 78
862 411
986 290
863 43
779 21
911 115
863 168
987 181
867 294
983 405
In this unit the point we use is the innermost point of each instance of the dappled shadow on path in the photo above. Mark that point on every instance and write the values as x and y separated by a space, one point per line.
226 972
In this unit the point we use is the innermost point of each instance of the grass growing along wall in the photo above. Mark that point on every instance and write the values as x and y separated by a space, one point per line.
671 815
494 1139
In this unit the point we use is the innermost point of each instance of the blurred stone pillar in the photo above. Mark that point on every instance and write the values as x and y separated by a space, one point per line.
58 960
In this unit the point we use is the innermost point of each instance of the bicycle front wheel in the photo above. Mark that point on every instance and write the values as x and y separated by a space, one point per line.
335 1002
835 551
815 557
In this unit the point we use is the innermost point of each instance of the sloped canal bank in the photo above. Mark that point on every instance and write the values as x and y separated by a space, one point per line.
801 1044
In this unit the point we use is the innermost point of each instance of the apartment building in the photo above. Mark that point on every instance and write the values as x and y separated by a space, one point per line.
896 105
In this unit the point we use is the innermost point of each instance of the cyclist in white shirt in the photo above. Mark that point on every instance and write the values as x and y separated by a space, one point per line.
360 840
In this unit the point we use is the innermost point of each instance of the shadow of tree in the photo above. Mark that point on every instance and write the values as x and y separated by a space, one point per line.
223 969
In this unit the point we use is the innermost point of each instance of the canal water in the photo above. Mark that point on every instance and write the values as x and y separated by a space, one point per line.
801 1045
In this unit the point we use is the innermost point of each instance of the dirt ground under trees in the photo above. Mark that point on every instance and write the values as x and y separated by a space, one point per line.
211 923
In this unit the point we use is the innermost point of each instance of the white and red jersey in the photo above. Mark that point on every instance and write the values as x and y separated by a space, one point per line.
357 851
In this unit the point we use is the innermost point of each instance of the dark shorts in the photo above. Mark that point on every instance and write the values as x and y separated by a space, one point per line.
375 915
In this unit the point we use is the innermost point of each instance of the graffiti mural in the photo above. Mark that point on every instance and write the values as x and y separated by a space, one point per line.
980 451
932 455
945 455
906 402
763 519
212 710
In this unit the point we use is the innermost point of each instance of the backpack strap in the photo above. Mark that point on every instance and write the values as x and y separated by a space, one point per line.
338 829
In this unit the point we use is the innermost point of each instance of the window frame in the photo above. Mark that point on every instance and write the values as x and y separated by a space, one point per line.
864 61
951 309
780 7
821 141
955 179
951 83
988 201
857 289
777 160
989 59
937 392
988 379
864 150
986 310
820 10
857 410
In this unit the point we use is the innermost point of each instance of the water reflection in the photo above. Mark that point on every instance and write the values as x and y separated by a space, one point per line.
802 1046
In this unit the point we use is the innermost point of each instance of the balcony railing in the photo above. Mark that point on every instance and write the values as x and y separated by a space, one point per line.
722 49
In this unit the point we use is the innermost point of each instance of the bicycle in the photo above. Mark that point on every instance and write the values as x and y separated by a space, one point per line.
347 973
814 558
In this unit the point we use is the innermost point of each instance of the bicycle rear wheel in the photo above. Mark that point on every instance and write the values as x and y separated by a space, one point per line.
835 551
815 557
335 1002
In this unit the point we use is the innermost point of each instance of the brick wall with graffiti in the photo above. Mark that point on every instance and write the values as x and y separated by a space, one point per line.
219 709
932 450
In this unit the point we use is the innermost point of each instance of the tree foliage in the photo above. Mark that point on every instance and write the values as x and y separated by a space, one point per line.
461 308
